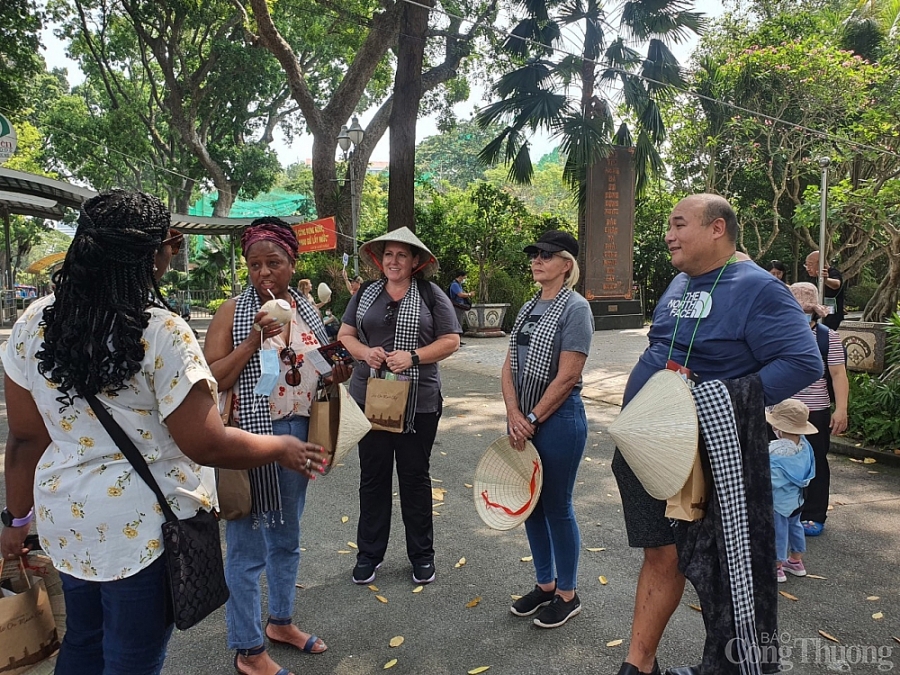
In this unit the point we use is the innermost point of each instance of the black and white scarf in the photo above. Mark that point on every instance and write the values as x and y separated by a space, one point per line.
406 335
257 419
536 373
717 422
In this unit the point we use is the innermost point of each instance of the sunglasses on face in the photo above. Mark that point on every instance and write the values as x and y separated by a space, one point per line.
543 255
289 358
391 308
175 241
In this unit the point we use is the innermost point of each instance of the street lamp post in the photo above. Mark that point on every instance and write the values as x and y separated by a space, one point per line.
349 139
824 163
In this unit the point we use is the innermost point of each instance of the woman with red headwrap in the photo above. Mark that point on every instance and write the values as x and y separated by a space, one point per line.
260 356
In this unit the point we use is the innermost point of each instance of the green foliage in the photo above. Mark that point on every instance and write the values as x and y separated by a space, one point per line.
452 156
857 296
213 305
873 410
20 61
652 263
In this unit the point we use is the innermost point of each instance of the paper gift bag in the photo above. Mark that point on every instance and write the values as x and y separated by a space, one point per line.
386 404
336 422
232 485
691 501
27 628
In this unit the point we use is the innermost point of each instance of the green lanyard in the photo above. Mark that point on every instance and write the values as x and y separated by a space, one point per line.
700 318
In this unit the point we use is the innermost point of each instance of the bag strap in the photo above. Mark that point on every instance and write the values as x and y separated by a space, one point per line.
132 454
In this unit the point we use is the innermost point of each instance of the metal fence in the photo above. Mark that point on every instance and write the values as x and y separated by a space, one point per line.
197 300
8 309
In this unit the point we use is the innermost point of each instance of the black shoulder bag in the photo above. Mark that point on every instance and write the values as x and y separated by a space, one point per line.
192 547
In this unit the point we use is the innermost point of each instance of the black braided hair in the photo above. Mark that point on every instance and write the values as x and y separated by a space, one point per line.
93 330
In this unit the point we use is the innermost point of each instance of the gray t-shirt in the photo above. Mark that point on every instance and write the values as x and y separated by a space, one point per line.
440 321
576 327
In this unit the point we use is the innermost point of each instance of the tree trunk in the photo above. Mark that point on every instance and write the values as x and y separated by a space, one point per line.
884 303
407 95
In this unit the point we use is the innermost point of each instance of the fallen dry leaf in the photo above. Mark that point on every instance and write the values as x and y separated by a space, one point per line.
869 460
855 461
437 493
614 643
602 580
468 485
527 558
878 616
827 636
515 597
436 480
896 639
462 561
396 641
373 587
299 586
479 669
696 608
815 576
389 664
418 589
443 453
344 551
351 544
435 513
473 602
595 550
871 472
788 595
381 598
344 519
587 459
437 505
873 597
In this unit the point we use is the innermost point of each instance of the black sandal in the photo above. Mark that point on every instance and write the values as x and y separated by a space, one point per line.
254 651
307 648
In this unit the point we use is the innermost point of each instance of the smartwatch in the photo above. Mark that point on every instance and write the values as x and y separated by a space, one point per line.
9 520
532 418
415 357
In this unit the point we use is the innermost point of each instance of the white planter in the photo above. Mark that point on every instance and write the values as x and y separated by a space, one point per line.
486 320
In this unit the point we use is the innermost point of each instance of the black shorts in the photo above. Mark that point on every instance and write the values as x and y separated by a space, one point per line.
645 516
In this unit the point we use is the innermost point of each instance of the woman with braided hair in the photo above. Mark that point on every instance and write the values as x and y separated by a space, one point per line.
260 356
106 332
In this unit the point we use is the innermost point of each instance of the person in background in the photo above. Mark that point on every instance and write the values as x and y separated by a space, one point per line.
405 325
304 287
778 270
834 288
818 398
96 519
541 383
351 284
460 299
262 360
793 466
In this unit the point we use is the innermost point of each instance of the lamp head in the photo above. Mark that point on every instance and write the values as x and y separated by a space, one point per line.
824 162
356 132
343 139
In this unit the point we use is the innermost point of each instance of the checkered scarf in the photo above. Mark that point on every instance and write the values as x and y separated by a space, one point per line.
536 375
257 419
406 336
719 429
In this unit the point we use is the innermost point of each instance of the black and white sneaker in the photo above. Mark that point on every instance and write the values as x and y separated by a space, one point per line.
364 572
529 604
558 612
423 573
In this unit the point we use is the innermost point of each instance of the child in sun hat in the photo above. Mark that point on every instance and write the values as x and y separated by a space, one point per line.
793 467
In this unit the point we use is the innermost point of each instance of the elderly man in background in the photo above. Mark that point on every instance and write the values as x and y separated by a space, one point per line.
720 321
834 288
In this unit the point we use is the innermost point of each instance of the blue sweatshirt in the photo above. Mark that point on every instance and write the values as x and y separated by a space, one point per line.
790 474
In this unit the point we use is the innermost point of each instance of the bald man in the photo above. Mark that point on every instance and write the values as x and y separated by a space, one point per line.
735 320
834 288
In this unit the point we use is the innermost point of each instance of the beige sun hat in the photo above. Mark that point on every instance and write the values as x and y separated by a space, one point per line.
507 484
324 292
657 434
791 416
373 251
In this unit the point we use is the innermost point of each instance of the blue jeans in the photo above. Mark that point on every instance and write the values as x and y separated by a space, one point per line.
104 633
553 534
789 536
270 546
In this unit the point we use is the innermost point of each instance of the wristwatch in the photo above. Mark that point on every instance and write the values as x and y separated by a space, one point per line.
532 418
9 520
415 357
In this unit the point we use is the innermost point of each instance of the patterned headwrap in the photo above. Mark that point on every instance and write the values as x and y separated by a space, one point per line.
271 229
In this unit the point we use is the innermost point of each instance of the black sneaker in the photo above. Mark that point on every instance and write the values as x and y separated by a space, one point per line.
423 573
364 572
529 604
558 612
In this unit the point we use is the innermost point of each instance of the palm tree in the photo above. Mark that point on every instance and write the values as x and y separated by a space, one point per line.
536 93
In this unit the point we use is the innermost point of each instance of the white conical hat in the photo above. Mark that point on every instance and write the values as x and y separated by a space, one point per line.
324 292
352 426
374 250
657 434
507 484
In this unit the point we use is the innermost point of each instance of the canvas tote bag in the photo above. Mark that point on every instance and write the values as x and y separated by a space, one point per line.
27 628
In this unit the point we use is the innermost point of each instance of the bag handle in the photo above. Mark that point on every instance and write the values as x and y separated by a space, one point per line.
132 454
22 571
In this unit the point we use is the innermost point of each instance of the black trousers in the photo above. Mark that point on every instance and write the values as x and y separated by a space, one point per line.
377 452
815 507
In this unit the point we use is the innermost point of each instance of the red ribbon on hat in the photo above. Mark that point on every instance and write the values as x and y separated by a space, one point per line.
518 512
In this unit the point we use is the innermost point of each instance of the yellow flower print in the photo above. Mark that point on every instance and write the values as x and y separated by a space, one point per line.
40 332
187 338
205 501
91 414
52 483
63 542
86 441
157 508
102 528
116 456
44 514
114 491
75 534
45 543
145 345
87 569
169 323
66 565
177 474
158 363
153 544
20 349
130 532
78 509
65 425
174 382
146 435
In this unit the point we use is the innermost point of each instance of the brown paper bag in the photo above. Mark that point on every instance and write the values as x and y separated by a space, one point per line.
27 628
691 502
232 485
324 419
386 404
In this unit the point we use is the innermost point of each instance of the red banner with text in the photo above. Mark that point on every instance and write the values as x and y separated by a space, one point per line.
316 235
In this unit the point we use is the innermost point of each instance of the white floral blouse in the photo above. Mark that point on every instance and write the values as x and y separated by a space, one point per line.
95 516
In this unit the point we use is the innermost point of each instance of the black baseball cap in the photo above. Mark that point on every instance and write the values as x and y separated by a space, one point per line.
554 241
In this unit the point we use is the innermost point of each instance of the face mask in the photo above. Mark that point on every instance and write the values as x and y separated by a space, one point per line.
268 361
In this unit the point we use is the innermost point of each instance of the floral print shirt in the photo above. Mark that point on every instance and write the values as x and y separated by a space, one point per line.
95 516
286 400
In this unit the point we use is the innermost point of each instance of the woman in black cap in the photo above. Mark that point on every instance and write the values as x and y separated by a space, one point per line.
541 383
